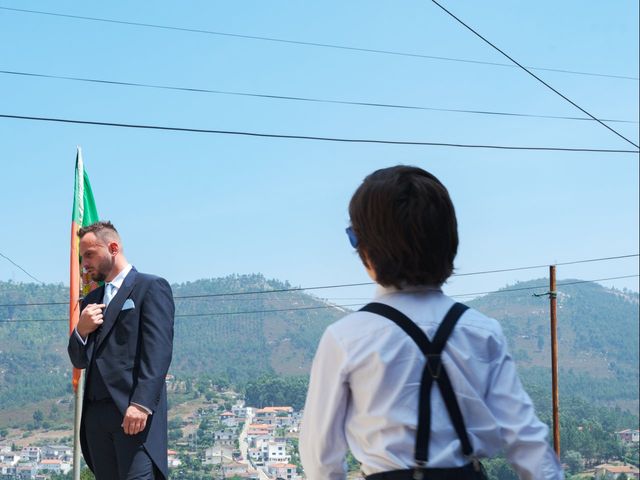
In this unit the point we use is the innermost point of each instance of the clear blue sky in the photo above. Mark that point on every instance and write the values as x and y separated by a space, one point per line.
192 205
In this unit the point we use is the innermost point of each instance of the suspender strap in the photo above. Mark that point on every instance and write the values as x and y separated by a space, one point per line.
433 370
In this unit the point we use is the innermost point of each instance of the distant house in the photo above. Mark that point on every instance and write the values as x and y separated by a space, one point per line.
31 454
275 451
228 419
609 471
283 470
54 466
239 410
9 458
50 452
217 455
235 468
225 437
172 458
26 470
274 415
7 470
629 435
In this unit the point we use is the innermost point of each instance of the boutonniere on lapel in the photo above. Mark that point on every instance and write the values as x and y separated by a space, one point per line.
128 304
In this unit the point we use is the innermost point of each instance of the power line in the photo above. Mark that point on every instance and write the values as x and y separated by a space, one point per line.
544 286
323 307
280 290
346 285
312 44
214 314
216 295
311 137
534 75
532 267
601 259
299 99
15 264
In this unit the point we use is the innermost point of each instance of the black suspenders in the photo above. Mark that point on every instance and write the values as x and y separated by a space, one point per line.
433 371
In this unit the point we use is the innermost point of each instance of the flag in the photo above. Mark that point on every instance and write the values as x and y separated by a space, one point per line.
84 213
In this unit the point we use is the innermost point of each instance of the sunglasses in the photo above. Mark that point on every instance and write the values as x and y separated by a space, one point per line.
353 239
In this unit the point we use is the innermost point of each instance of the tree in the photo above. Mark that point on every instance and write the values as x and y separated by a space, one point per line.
499 469
54 412
86 474
38 417
574 461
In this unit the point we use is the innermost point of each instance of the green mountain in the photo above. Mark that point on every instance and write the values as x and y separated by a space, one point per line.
241 337
597 338
213 337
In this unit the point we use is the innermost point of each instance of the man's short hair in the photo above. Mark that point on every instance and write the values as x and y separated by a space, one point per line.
104 230
406 227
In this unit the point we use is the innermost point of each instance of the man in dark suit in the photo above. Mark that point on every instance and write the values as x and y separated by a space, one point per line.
124 340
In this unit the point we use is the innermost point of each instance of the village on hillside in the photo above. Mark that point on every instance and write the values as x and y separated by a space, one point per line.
242 442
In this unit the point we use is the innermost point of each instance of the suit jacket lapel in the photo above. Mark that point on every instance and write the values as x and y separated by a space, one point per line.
115 305
91 341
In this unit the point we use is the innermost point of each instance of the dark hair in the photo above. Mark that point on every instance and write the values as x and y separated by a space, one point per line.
406 227
103 230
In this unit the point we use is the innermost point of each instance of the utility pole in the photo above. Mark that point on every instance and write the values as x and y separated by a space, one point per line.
554 358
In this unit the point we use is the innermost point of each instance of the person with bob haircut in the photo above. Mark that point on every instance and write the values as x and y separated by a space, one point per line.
416 385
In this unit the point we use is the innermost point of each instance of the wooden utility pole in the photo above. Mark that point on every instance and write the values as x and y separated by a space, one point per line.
554 359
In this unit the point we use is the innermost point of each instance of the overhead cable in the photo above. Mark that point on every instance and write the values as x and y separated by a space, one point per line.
346 285
578 282
311 44
15 264
535 76
300 99
324 307
314 138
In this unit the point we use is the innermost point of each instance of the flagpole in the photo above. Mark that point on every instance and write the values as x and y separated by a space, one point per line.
84 213
77 451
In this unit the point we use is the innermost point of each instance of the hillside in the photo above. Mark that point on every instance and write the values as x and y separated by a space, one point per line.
235 346
597 338
598 335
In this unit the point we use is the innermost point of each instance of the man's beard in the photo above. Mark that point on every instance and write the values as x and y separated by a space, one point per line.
99 277
101 272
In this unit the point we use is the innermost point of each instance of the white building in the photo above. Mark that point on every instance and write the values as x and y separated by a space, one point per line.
31 454
54 466
283 470
9 458
217 455
276 451
60 452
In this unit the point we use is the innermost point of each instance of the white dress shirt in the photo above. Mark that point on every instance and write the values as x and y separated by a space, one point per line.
364 388
116 283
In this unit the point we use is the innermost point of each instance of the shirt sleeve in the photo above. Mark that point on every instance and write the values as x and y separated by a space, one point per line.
147 410
524 435
82 340
323 445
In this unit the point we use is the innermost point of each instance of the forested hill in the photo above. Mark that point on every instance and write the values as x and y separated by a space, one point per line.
244 336
272 338
598 338
212 337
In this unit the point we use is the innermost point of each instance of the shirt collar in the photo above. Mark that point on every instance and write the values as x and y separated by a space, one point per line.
118 279
382 290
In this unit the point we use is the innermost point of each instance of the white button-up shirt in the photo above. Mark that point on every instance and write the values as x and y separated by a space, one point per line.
364 389
117 283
